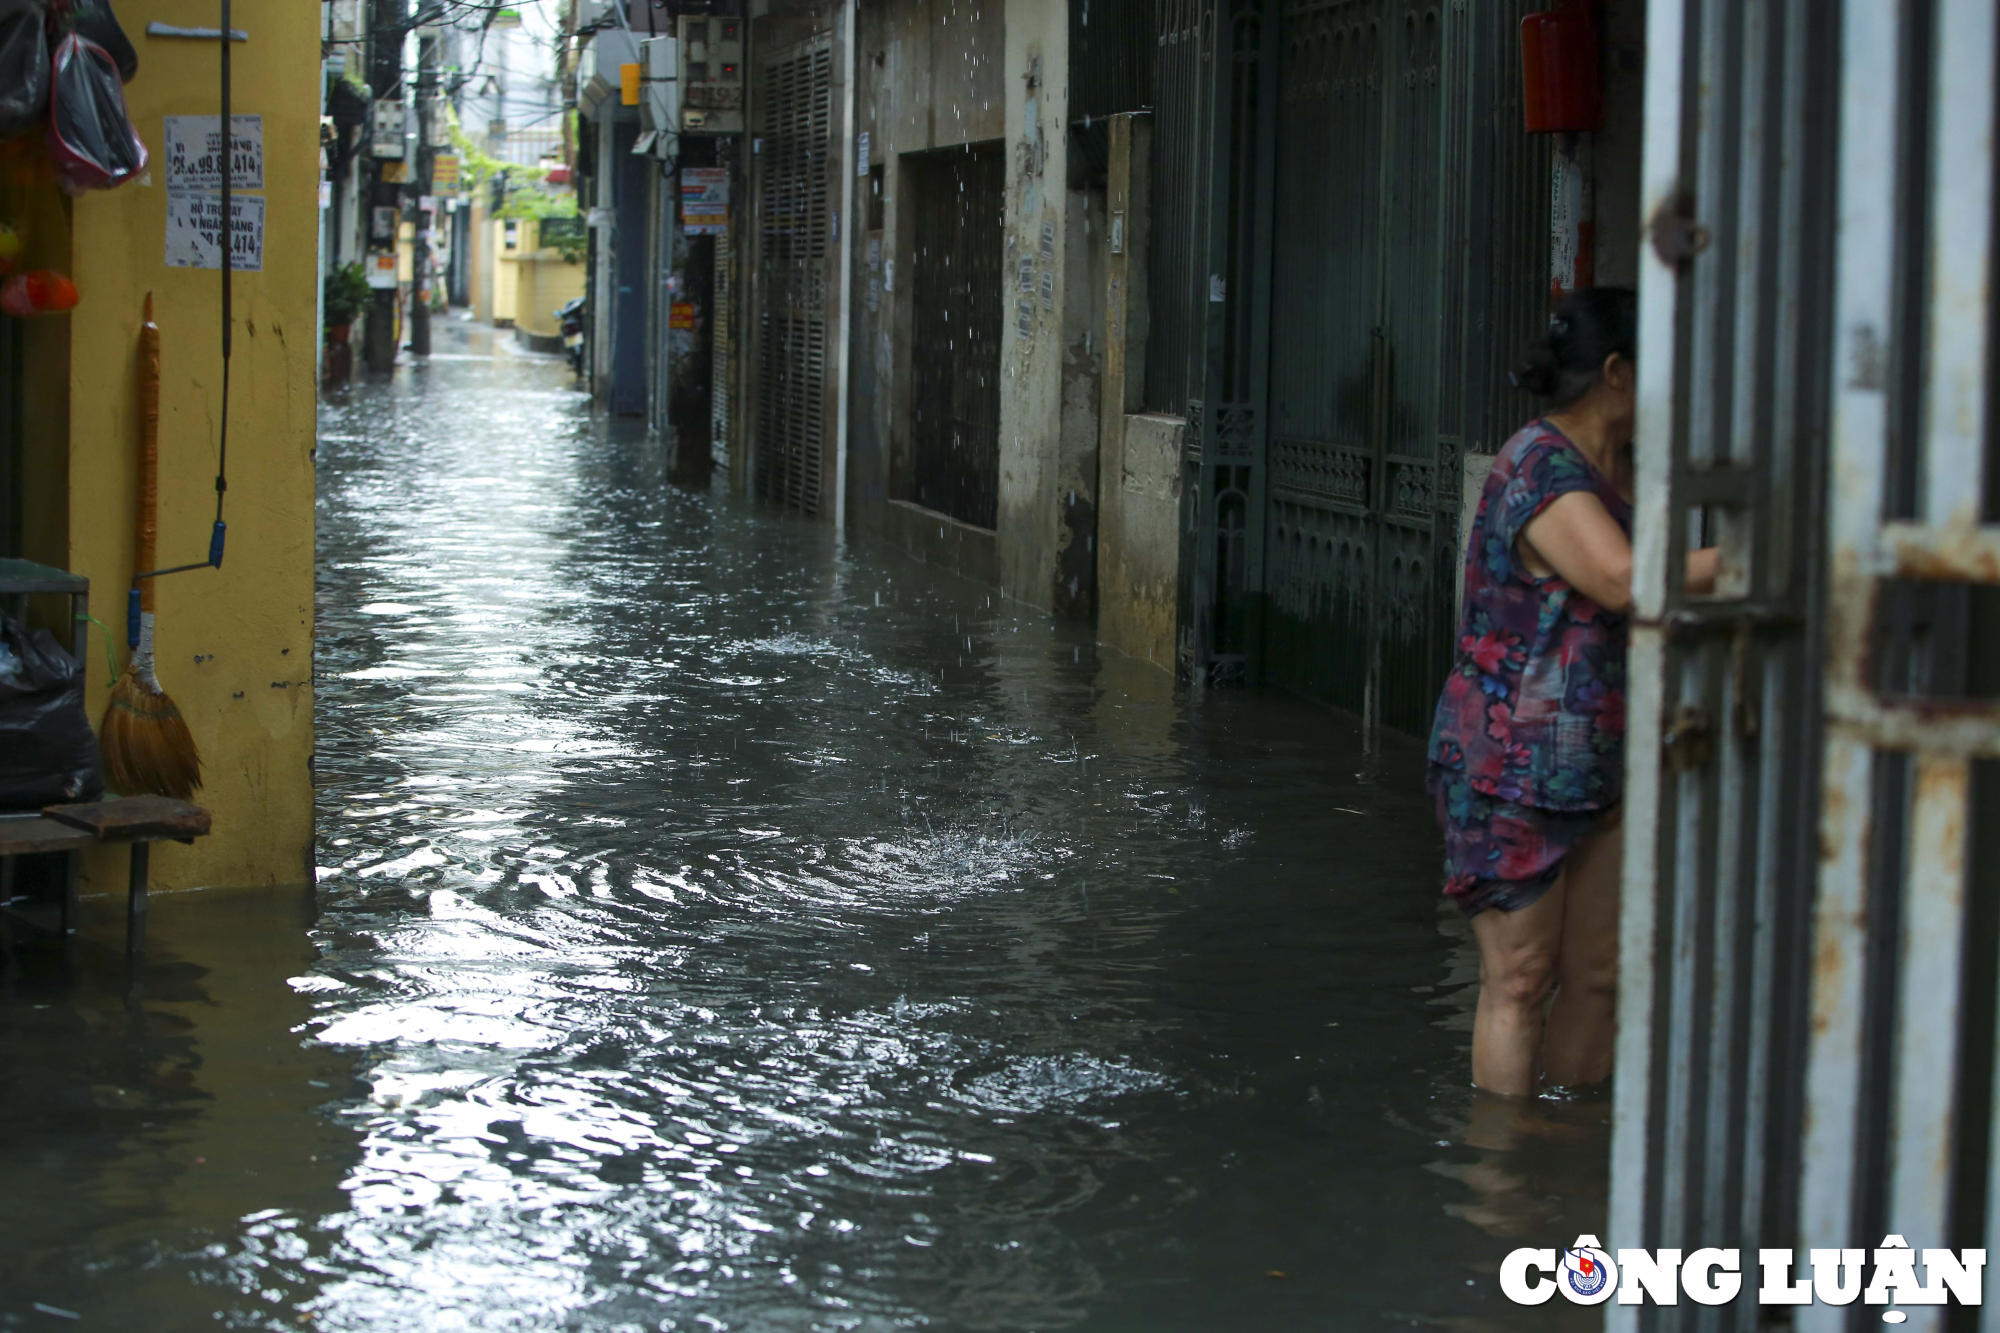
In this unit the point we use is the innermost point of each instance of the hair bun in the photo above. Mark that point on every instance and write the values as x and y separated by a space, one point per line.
1585 331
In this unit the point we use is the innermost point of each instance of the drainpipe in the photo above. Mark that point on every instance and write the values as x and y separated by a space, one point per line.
849 68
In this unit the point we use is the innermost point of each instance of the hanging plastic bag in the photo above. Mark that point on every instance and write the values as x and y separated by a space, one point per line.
94 22
24 65
91 140
48 753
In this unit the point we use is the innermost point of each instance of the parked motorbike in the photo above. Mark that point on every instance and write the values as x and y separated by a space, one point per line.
570 317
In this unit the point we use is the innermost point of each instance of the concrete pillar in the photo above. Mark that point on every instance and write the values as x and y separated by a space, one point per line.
1037 81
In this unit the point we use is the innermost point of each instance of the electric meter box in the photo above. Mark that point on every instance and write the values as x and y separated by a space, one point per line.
712 73
386 136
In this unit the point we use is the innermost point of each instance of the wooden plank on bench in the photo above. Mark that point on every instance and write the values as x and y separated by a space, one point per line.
134 818
26 835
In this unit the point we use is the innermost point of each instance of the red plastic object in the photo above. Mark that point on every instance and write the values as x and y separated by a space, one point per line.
1562 79
41 292
92 144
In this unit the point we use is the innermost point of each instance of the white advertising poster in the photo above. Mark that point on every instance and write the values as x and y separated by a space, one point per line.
194 231
194 153
705 200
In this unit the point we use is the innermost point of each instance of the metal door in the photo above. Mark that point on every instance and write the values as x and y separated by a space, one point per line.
1322 510
1358 538
631 257
793 445
960 200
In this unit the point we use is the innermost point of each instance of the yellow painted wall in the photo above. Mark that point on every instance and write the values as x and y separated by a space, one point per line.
547 282
530 281
234 646
506 273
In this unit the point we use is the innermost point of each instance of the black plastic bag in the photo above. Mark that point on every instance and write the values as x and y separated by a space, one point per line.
91 140
48 753
95 22
24 65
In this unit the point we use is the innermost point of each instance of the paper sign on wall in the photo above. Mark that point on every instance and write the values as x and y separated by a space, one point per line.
705 200
382 271
194 153
194 231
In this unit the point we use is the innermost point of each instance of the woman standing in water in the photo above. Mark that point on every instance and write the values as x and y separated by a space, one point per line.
1527 755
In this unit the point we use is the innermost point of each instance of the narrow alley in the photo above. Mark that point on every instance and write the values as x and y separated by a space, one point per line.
717 927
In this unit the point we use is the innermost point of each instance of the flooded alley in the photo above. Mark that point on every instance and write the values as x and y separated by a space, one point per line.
717 926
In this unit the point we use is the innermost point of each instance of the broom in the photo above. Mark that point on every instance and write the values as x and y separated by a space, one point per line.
146 743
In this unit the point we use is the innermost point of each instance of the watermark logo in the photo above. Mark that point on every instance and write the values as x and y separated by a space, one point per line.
1586 1274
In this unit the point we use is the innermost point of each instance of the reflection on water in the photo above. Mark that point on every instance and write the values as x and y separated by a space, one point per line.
717 928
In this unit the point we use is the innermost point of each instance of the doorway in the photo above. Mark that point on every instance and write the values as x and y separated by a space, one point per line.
959 197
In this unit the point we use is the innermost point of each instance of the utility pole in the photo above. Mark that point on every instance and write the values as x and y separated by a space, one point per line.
427 85
387 24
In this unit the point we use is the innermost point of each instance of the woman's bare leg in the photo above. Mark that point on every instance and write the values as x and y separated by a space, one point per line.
1581 1041
1517 965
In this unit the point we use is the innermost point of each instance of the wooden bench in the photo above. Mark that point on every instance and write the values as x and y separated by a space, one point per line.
136 821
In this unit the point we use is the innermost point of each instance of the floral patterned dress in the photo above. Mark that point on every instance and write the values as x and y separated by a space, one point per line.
1528 748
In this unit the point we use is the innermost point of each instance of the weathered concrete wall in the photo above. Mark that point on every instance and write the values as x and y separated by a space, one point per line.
1037 230
930 76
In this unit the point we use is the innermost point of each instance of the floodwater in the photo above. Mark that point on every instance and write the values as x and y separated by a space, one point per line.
719 928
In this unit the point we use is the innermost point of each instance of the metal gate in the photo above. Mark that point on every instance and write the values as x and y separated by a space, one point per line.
1810 919
794 442
1344 285
960 200
1177 245
1358 545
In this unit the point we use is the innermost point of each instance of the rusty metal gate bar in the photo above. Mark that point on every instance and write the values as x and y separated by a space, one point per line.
794 440
1804 1058
956 285
1734 342
1914 451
